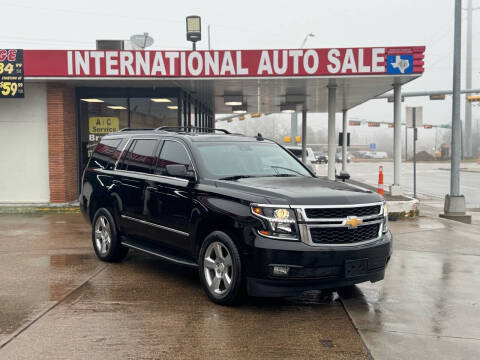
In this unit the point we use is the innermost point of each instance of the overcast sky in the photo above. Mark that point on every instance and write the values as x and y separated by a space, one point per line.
247 24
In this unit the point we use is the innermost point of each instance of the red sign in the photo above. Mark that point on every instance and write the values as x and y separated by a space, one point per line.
216 63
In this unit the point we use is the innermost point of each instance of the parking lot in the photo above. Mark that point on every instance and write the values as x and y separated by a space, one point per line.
58 301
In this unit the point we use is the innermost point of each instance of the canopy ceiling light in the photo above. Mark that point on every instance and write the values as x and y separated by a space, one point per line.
288 108
93 100
242 109
161 100
233 100
173 107
117 107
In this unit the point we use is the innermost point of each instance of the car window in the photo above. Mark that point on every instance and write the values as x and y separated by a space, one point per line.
224 159
172 153
139 156
106 154
296 152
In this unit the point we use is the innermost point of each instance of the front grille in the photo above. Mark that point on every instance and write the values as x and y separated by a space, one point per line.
344 235
331 213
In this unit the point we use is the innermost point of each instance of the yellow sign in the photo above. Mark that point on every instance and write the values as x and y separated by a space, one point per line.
298 138
103 124
287 139
353 221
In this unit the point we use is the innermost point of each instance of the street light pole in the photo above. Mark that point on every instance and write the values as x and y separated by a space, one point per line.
454 202
468 84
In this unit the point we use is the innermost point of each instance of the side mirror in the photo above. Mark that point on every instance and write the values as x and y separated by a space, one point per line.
180 171
343 176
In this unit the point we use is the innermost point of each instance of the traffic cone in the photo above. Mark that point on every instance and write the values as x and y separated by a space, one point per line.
380 180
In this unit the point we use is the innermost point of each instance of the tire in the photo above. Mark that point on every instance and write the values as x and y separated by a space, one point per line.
105 239
215 269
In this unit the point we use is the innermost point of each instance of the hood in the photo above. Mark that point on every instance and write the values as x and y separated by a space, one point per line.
303 191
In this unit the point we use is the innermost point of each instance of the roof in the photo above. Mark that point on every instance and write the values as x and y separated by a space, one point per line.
265 79
192 136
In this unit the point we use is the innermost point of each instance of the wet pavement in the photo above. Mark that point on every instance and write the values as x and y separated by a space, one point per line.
57 301
428 307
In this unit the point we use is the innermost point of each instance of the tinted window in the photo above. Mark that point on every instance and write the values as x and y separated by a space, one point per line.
139 156
296 152
106 154
173 153
225 159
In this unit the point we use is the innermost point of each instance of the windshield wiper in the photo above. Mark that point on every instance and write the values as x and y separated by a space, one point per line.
284 175
284 168
236 177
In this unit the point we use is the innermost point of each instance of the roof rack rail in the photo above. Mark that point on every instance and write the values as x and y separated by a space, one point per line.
187 128
135 129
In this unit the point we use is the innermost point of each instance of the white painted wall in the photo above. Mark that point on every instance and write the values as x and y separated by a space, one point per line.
24 147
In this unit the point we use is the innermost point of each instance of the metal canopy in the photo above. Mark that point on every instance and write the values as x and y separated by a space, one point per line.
265 78
265 95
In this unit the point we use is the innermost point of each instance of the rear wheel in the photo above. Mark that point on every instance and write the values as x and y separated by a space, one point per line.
106 242
221 269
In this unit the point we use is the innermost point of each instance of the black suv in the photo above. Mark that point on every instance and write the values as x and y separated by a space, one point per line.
243 210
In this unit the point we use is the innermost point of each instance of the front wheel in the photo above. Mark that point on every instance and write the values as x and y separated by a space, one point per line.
221 269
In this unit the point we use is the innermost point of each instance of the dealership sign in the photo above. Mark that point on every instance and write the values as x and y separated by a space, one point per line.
224 63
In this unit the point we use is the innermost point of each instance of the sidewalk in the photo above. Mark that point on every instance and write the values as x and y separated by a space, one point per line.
428 306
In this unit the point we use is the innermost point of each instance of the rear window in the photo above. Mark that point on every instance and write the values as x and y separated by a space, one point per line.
296 152
106 154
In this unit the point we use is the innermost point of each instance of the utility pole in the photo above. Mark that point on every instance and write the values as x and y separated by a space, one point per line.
294 117
468 84
454 202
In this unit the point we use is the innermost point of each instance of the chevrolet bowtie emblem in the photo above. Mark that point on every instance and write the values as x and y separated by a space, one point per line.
353 222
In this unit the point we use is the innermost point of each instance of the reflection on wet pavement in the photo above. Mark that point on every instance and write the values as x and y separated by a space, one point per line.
428 307
58 301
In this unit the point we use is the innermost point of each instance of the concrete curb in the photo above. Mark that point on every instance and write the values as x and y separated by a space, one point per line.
403 209
40 209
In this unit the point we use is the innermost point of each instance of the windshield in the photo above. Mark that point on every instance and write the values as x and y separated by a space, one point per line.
246 159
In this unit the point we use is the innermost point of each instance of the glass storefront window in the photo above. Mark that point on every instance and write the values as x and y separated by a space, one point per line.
105 110
147 113
99 116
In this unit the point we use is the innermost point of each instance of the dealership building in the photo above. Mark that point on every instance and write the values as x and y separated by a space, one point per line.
73 97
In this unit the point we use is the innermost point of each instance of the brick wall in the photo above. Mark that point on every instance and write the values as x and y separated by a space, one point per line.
62 143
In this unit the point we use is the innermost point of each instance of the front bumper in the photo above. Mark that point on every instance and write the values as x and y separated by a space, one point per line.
312 268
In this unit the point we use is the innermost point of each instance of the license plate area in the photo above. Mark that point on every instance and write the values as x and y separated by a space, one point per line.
355 268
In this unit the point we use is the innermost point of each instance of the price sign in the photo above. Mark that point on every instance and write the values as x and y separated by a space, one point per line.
11 73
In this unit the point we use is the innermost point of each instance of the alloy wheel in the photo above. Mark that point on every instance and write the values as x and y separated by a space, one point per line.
103 235
218 268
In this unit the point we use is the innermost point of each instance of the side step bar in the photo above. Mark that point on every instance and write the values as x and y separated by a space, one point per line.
158 253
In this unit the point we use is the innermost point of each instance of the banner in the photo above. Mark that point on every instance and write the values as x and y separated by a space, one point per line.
11 73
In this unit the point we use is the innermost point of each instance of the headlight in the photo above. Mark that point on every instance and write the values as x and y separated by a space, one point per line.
281 222
385 218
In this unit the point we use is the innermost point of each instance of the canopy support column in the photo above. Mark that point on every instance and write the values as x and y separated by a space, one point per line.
304 136
344 142
293 128
332 97
395 189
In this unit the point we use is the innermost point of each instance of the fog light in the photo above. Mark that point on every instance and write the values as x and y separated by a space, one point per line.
281 270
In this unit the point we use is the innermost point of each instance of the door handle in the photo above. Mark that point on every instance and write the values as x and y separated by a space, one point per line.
151 188
116 182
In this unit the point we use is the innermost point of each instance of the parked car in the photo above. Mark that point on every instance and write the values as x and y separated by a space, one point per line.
242 210
297 151
338 157
377 155
321 157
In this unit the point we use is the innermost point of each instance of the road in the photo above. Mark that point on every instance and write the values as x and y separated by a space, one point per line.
433 178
